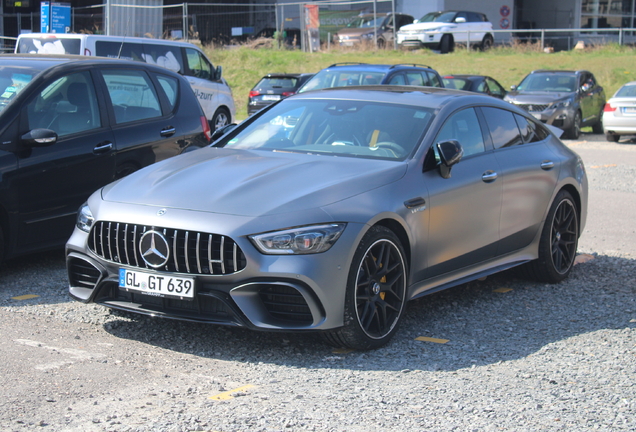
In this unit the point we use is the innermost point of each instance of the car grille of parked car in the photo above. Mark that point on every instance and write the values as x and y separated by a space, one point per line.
190 252
532 107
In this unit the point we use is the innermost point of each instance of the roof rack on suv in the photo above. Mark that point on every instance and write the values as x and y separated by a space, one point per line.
346 63
410 64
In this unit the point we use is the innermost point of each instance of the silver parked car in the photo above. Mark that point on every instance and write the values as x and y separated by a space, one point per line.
619 114
329 210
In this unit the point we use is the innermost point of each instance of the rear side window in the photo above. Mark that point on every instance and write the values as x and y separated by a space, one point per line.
530 131
503 127
165 56
170 86
132 94
126 50
433 80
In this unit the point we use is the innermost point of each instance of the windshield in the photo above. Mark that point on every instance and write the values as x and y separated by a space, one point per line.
366 22
628 90
12 81
339 78
548 82
336 128
444 17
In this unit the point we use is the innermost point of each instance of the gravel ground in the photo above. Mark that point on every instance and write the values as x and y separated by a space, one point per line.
519 356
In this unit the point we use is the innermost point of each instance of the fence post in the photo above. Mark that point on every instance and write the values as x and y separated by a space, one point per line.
542 39
186 28
468 41
620 36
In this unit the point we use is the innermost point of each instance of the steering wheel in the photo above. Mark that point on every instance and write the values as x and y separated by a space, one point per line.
395 148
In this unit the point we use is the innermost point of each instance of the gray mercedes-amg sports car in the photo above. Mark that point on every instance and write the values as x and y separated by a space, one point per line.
329 210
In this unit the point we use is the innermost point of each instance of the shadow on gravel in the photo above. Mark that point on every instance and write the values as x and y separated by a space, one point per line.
482 326
42 275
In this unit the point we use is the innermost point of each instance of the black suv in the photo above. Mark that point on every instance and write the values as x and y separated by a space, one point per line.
351 74
568 100
71 124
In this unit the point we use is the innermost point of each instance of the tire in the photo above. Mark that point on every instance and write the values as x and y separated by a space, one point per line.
375 296
597 127
220 118
575 130
381 43
558 243
447 44
487 43
612 137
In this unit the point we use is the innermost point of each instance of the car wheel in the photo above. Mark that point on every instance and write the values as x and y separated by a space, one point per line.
376 293
575 130
381 43
558 243
612 137
447 44
597 127
220 118
487 43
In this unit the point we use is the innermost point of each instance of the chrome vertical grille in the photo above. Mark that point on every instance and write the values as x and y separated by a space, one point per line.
189 251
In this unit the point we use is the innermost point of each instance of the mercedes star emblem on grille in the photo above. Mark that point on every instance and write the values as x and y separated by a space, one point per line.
154 248
162 212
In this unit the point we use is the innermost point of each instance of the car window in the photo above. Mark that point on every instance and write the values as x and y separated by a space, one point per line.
530 131
338 128
503 127
628 90
167 56
463 126
415 78
398 79
170 86
276 83
132 94
198 64
433 80
123 50
12 81
68 105
482 88
495 88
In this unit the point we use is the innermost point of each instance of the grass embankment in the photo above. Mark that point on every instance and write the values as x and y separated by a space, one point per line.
612 65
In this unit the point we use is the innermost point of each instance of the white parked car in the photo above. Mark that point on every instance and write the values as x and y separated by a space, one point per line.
213 92
441 30
619 114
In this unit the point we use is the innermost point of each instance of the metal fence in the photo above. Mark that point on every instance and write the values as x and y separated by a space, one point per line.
228 23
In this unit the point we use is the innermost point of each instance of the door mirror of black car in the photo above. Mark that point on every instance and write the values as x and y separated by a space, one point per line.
450 152
39 138
222 131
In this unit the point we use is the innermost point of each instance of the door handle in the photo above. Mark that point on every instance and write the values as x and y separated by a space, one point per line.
489 176
169 131
547 165
103 147
415 202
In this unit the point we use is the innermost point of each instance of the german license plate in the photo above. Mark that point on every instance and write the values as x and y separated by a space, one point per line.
271 97
159 285
629 110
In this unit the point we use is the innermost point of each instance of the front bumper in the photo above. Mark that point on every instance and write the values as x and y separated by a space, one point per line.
419 40
271 292
563 118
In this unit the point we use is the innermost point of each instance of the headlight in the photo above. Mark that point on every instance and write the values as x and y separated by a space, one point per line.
302 240
85 218
562 104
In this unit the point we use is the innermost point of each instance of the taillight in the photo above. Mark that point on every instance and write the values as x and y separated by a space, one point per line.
608 108
206 128
254 93
285 94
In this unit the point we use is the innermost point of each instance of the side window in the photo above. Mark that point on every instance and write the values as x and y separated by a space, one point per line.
433 80
494 88
482 87
462 15
463 126
415 78
68 105
125 50
165 56
132 94
397 79
170 86
503 127
530 131
198 65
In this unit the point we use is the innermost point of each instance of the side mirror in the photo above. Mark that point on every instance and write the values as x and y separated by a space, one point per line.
513 87
450 153
460 20
39 138
222 131
218 73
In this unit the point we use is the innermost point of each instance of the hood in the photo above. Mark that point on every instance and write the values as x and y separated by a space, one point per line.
355 32
539 98
251 183
426 26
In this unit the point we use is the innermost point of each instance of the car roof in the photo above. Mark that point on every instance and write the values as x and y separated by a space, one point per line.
376 67
129 39
557 71
46 61
286 75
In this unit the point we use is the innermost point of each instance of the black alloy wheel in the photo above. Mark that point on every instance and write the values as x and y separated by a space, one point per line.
575 130
376 293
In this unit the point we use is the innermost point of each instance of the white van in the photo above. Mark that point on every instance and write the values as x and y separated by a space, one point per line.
211 89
